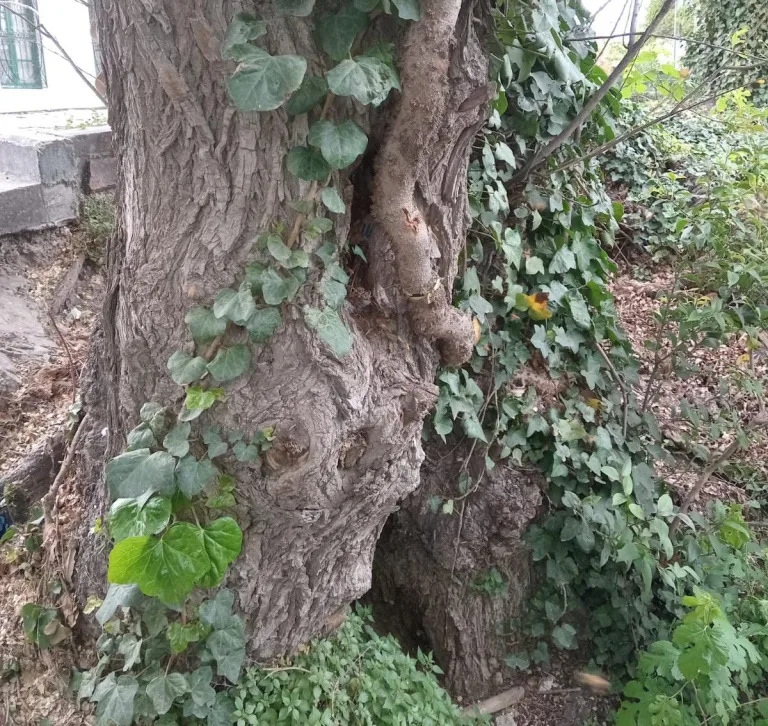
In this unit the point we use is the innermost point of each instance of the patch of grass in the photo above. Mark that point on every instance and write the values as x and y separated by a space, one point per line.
97 224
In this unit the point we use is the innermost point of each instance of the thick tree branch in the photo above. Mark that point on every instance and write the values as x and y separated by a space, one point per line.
412 134
597 97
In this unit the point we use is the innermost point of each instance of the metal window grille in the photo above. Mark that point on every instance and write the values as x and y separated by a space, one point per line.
21 51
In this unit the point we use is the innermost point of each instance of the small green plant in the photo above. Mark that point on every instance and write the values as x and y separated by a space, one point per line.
98 223
42 625
491 583
353 678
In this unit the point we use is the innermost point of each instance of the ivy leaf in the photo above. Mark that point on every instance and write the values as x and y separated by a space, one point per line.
340 145
366 78
176 440
192 475
275 288
243 28
539 340
366 5
408 9
164 689
216 612
139 473
263 323
153 414
263 82
115 697
570 339
333 201
564 637
222 540
534 265
337 31
236 306
579 311
227 646
142 437
164 567
307 164
277 248
334 292
130 649
300 8
127 518
563 261
184 368
245 452
180 635
200 686
203 325
230 362
199 400
117 596
313 90
332 331
221 711
665 507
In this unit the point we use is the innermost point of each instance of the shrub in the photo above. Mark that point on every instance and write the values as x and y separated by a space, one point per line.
355 677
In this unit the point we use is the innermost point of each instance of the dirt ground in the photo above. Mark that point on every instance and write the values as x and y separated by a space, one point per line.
34 684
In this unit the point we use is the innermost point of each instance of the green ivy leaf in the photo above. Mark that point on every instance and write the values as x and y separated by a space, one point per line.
138 474
115 697
216 611
307 164
408 9
164 567
263 323
334 292
275 289
212 439
166 688
199 400
300 8
180 635
227 646
579 311
313 90
184 368
366 78
176 440
200 686
130 649
245 452
564 637
243 28
118 596
127 518
337 31
263 82
332 331
221 711
222 540
278 249
570 339
563 261
340 145
236 306
534 266
203 325
333 201
230 362
192 475
153 414
142 437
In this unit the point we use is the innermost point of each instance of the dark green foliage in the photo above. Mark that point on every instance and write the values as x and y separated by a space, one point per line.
355 677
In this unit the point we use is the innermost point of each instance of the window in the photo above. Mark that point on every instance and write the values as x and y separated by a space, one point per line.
21 52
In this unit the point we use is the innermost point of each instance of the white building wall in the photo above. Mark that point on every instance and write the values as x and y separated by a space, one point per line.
68 21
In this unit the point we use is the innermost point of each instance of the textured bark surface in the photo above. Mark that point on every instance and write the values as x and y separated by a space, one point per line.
426 563
197 182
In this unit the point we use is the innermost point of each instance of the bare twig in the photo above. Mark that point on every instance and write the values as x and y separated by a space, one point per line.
619 382
72 370
49 499
597 97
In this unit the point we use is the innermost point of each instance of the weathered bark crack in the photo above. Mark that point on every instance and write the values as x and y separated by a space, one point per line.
408 147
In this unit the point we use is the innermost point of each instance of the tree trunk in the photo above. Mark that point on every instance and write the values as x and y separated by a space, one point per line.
427 563
198 182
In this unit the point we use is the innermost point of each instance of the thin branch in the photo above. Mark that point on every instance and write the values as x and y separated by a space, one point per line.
619 382
597 97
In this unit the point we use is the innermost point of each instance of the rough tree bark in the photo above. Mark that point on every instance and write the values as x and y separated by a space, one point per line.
197 182
426 565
